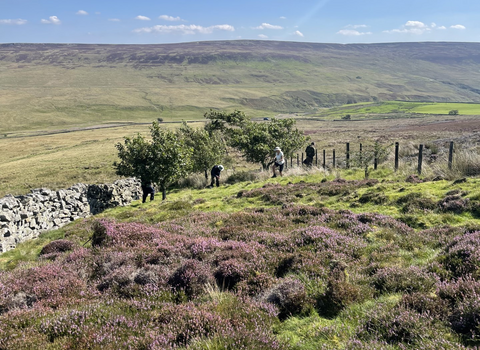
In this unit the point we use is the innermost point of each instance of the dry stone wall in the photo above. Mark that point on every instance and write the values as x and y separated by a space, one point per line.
24 217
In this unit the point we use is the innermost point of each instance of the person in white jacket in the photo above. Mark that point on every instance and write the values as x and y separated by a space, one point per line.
279 162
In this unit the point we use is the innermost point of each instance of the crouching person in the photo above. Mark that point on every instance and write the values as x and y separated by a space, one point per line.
147 189
216 170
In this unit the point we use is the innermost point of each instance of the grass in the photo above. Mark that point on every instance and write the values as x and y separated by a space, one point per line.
186 209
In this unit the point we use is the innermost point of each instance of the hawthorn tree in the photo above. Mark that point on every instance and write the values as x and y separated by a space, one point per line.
209 148
163 160
256 140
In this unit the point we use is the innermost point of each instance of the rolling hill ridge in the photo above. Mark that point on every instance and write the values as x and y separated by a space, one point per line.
55 85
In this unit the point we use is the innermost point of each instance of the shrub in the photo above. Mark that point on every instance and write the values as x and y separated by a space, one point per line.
396 279
398 326
454 292
415 201
465 319
230 272
462 255
58 246
454 203
191 278
427 304
290 297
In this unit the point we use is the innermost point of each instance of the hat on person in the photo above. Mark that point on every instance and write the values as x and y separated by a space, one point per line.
277 149
221 167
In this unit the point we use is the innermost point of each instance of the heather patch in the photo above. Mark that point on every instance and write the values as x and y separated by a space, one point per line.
218 280
462 255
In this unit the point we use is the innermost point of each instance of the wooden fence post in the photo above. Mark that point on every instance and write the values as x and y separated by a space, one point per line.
298 162
450 156
316 158
324 159
420 159
291 161
396 156
333 159
347 159
360 155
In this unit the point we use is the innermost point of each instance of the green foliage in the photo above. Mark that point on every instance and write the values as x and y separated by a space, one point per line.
162 160
453 112
209 147
256 141
368 154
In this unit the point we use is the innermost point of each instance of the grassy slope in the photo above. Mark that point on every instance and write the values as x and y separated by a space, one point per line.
313 330
47 86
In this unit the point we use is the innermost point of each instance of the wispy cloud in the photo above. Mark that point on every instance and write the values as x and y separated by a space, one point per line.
18 21
356 26
185 29
419 28
262 36
142 18
51 20
114 20
352 32
268 26
283 17
298 33
82 12
170 18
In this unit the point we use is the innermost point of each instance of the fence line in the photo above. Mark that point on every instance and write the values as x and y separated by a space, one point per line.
334 162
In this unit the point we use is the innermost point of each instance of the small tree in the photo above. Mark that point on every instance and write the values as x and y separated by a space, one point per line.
209 147
368 154
453 112
162 160
347 117
256 141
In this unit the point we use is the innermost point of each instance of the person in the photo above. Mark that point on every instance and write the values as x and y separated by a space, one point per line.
310 153
216 170
279 162
147 189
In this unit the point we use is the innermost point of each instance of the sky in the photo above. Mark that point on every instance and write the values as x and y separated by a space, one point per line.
158 21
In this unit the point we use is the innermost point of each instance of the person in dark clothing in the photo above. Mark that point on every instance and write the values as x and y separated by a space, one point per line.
147 189
216 170
310 153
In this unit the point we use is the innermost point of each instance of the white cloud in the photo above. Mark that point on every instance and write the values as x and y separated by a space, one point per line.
458 26
170 18
184 29
442 28
51 20
412 27
298 33
142 18
263 36
352 32
82 12
283 17
356 26
268 26
13 21
114 20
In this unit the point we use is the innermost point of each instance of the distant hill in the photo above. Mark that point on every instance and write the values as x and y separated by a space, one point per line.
56 85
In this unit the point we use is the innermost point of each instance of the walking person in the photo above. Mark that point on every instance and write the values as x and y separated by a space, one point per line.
216 170
147 189
310 153
279 162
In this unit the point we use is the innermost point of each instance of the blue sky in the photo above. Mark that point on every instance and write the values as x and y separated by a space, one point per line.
155 21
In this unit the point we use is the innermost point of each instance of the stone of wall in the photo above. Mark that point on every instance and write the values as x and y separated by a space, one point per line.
24 217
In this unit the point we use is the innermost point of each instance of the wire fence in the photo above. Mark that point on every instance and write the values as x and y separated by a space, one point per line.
347 158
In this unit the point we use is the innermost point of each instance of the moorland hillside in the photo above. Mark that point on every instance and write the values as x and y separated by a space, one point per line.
290 263
57 85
